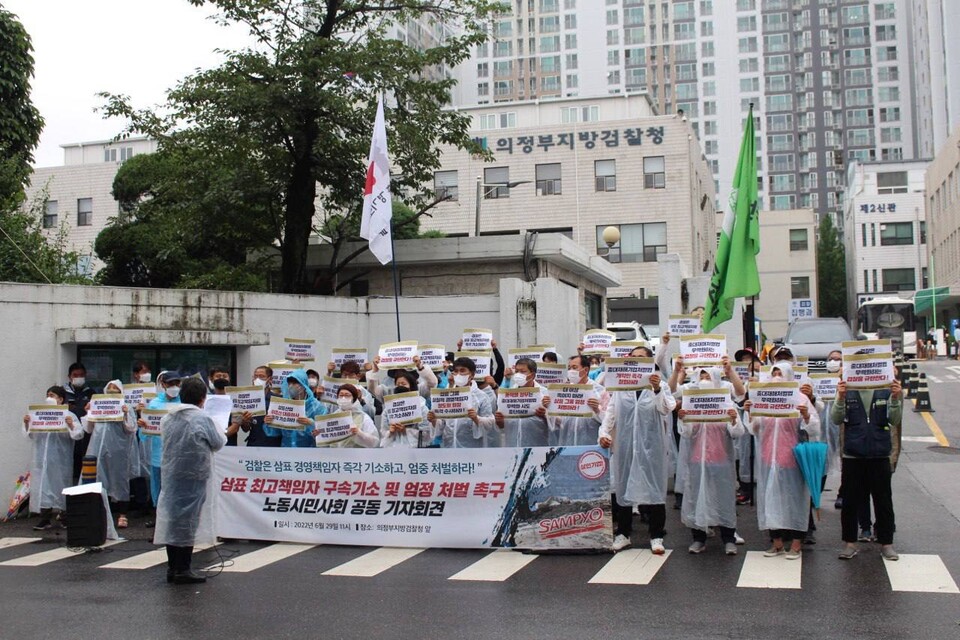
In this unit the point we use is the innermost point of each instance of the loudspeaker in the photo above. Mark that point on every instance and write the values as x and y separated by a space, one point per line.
86 520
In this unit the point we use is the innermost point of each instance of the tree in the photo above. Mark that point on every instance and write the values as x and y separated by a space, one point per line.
831 270
20 122
302 102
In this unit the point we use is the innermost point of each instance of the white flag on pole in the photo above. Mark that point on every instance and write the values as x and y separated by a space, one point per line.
377 202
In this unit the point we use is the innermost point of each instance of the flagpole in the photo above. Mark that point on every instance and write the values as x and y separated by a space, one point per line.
396 281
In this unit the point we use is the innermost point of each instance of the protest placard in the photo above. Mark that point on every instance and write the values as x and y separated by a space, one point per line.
153 418
477 340
534 353
333 427
330 388
347 354
403 408
285 413
597 342
570 400
248 399
133 393
683 325
775 399
105 407
432 356
865 347
520 402
825 385
281 371
481 359
300 349
46 418
397 355
544 348
628 374
706 405
868 370
742 369
800 374
450 403
703 349
550 373
623 348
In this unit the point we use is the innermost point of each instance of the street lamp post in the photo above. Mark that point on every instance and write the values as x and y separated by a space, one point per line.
481 185
611 236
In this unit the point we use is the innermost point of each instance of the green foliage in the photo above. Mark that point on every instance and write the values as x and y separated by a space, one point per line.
300 106
831 270
20 122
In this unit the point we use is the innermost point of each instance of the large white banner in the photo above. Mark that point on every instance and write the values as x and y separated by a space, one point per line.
539 498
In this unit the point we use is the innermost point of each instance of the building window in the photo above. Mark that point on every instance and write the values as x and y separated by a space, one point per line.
892 182
499 176
126 153
800 287
84 212
896 233
899 280
579 114
638 242
593 310
110 363
50 214
109 155
654 173
548 179
798 240
605 175
445 184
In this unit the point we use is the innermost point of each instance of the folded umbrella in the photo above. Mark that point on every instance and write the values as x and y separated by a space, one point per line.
812 460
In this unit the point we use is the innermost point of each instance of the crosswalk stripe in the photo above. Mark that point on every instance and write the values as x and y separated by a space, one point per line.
934 379
495 567
924 439
147 560
46 557
6 543
921 573
632 566
262 557
759 572
373 563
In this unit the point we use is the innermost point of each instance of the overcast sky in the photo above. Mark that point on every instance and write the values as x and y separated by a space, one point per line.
134 47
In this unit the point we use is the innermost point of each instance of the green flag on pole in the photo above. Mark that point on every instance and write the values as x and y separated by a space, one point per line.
735 270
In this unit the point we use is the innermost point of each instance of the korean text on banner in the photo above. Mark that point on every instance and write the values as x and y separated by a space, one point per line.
45 418
534 353
703 350
330 388
133 393
481 359
550 373
684 325
775 400
868 370
300 349
706 405
742 369
825 385
285 413
539 497
450 403
346 354
863 347
432 356
570 400
397 355
521 402
153 418
403 408
623 348
333 427
628 374
477 340
597 342
248 399
282 371
106 407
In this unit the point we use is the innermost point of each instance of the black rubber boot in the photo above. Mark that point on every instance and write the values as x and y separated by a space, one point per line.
183 574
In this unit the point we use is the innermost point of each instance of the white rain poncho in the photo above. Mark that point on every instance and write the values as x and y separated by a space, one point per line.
830 433
52 468
493 438
580 432
366 437
187 499
527 432
414 435
463 433
783 500
638 455
710 482
111 444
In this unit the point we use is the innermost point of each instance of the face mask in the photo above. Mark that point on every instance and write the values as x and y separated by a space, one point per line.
518 380
594 367
313 382
402 389
345 403
172 392
221 384
460 380
259 383
706 384
78 382
833 366
50 401
297 392
144 377
573 376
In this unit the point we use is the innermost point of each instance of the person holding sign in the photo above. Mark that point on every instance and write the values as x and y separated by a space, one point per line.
634 429
530 431
350 374
468 432
110 443
387 386
870 421
52 467
363 433
406 434
709 472
573 431
783 499
168 393
297 387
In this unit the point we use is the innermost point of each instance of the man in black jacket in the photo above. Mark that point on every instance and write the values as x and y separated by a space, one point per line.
78 397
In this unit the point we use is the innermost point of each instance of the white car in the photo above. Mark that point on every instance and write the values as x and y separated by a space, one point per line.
631 332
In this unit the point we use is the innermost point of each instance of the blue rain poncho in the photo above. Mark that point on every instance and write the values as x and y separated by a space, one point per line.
527 432
111 444
312 407
52 469
638 455
187 499
461 433
579 432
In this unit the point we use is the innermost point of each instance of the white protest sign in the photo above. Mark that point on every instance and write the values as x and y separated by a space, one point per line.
45 418
545 348
285 413
706 405
774 400
248 399
597 342
868 370
133 393
330 388
450 403
477 340
106 407
862 347
628 374
703 349
742 369
481 359
282 371
550 373
432 356
623 348
397 355
825 385
683 325
300 349
333 427
521 402
800 374
219 409
346 354
403 408
570 400
534 353
153 418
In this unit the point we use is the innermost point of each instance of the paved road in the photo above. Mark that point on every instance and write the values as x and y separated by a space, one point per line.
283 591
